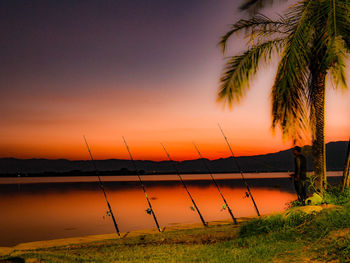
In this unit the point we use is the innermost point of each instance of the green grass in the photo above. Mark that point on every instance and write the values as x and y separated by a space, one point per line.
335 196
332 195
292 237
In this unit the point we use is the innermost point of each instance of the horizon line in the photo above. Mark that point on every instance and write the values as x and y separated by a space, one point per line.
149 160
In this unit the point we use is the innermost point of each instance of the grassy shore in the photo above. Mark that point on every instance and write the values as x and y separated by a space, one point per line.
309 234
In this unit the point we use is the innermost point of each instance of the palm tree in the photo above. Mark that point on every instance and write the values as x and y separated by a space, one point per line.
312 39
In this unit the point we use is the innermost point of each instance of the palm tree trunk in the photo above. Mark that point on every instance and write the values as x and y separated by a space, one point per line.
346 175
318 143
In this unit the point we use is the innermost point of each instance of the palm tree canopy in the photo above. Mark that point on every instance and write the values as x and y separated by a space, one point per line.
313 36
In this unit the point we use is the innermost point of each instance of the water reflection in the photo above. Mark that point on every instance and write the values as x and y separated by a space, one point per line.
56 210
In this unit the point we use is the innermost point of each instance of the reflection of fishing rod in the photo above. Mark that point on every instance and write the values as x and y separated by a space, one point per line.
214 181
240 170
102 188
150 209
184 185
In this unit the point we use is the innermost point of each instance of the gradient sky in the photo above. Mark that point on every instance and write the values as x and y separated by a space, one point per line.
147 70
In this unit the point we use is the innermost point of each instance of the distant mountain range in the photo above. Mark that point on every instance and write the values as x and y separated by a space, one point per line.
273 162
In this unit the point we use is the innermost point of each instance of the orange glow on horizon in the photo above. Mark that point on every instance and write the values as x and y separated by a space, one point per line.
179 153
38 128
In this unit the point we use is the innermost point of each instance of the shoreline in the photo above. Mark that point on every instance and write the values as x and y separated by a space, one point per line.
41 244
62 242
306 234
149 177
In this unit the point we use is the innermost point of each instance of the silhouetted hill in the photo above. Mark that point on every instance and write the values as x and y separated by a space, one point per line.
279 161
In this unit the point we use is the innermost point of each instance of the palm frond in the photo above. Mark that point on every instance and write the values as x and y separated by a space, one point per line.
239 69
298 14
337 69
288 99
288 95
339 26
330 21
339 18
259 24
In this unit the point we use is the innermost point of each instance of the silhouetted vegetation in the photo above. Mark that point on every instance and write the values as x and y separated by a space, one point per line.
274 162
123 171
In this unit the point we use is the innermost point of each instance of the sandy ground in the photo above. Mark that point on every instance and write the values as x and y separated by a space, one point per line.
94 238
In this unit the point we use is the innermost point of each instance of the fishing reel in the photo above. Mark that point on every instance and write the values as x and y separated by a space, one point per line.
108 213
192 208
246 195
223 207
148 211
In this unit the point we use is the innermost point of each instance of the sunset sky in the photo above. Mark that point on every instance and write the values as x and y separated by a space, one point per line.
146 70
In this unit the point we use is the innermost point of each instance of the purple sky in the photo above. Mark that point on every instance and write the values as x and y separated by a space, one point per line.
148 70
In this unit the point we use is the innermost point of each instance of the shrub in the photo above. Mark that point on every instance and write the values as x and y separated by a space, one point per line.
335 196
274 223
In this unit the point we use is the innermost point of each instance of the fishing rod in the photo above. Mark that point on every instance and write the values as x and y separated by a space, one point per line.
240 170
102 188
184 185
214 181
150 209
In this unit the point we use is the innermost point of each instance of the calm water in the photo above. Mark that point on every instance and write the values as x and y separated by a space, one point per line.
35 209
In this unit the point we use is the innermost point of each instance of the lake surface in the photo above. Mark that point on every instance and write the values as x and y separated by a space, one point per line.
35 209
